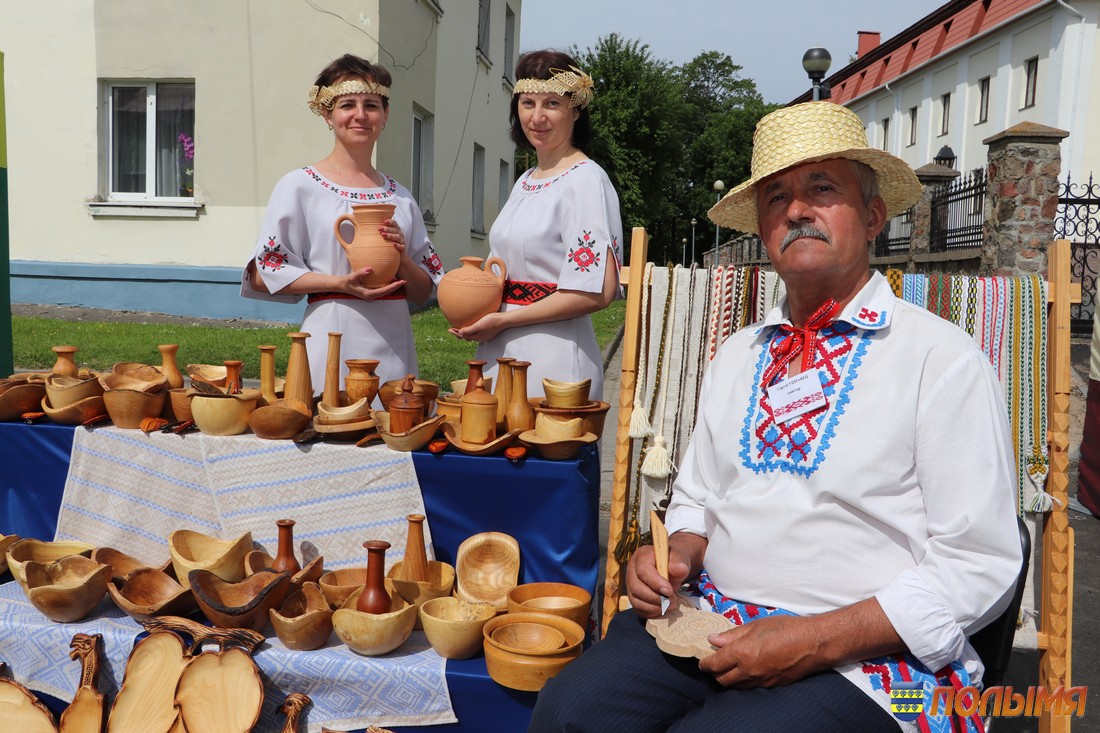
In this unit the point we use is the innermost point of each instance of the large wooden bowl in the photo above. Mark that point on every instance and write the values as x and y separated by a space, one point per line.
210 373
453 626
149 592
66 589
147 379
337 585
440 583
566 394
128 407
486 568
411 440
240 605
192 550
6 541
19 397
529 670
226 415
280 420
558 599
22 551
258 560
336 414
304 620
62 390
374 634
593 414
122 565
75 413
180 400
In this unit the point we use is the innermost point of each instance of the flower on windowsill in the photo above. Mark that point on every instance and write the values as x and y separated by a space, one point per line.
187 185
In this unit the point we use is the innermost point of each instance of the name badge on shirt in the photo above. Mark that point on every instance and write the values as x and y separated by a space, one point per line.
796 396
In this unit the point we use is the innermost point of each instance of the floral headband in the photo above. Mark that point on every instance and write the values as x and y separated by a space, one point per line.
322 98
574 82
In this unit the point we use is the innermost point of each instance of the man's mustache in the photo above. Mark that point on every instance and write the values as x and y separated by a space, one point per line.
802 231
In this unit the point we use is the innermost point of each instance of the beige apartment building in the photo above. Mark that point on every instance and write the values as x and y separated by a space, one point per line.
145 136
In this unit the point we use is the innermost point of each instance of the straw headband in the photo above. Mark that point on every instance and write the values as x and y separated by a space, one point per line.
322 98
807 133
574 82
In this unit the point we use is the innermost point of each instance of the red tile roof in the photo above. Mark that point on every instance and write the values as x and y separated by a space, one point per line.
935 35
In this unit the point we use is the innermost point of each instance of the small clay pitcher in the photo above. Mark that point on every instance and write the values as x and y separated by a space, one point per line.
267 374
331 394
361 381
479 415
406 408
469 292
503 387
168 366
415 564
368 248
519 415
284 558
374 598
66 362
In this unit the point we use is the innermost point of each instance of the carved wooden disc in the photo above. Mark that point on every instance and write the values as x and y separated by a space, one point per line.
683 631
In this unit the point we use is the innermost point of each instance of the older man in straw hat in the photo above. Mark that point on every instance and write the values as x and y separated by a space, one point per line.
847 497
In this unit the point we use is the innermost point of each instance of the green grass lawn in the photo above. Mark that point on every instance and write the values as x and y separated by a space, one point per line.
442 357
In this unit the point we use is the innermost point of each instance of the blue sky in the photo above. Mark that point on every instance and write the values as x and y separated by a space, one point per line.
766 38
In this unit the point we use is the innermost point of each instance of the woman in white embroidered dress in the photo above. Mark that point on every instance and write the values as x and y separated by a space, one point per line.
297 254
558 234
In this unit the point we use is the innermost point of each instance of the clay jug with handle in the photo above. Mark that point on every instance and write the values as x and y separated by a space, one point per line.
284 557
368 248
374 598
471 291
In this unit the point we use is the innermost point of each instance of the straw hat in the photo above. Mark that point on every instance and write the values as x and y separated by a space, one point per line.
805 133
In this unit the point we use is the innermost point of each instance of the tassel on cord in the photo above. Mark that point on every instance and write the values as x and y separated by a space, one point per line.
628 543
657 464
639 421
1037 472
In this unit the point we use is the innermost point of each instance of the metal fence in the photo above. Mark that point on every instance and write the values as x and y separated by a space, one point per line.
894 237
1078 220
957 213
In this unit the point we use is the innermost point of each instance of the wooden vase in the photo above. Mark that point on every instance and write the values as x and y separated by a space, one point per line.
476 368
331 394
519 415
406 408
414 566
284 557
299 384
374 598
361 381
65 365
168 366
479 415
233 376
503 391
267 374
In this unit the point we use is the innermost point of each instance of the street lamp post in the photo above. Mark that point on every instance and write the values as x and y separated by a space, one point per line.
683 251
719 187
816 62
693 223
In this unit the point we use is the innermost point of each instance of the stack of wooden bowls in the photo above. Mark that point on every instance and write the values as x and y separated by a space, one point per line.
133 392
73 400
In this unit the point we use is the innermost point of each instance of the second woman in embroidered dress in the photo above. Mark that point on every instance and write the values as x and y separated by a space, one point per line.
559 234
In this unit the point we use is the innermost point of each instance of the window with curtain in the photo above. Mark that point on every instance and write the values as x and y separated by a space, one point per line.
509 44
483 15
983 100
422 159
1031 81
151 140
912 125
945 113
477 213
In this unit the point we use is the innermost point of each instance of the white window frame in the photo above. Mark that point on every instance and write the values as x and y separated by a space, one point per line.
886 134
912 126
509 45
484 21
945 113
422 179
1031 82
109 85
477 202
983 100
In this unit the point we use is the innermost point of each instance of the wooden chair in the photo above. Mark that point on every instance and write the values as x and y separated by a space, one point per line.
1054 638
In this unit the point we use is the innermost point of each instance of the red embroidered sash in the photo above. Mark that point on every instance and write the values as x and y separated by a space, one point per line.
317 297
520 292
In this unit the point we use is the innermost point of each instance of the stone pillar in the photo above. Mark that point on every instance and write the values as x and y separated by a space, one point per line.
1022 199
931 177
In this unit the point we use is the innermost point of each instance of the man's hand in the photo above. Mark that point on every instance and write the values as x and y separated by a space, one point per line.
767 652
645 586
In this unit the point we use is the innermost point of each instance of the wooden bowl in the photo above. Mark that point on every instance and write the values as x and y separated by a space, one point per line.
6 541
140 380
453 626
20 397
458 386
452 431
22 551
280 420
412 440
128 407
337 585
304 620
75 413
354 412
180 400
149 592
566 394
592 414
258 560
192 550
67 589
210 373
344 431
558 599
122 565
243 604
486 568
374 634
556 449
62 390
530 670
440 583
429 392
528 638
226 415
